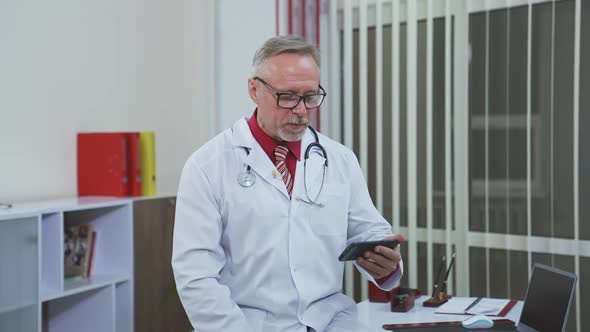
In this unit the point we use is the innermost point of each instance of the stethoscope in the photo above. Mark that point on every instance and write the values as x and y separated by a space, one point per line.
247 178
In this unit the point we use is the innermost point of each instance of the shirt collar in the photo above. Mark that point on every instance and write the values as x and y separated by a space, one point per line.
268 143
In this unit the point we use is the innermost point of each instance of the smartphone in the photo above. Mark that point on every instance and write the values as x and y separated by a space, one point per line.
356 249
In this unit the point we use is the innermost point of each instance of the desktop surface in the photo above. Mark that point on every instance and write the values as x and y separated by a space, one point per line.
374 315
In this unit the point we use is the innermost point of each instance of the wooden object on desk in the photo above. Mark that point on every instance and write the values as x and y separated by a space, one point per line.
438 300
157 306
440 296
499 325
402 299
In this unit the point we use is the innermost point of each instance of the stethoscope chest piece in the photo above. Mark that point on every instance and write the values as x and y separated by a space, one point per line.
247 178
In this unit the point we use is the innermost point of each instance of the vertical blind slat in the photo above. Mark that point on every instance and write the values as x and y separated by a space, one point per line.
528 137
411 85
347 135
460 142
487 148
552 136
429 142
395 119
363 78
379 103
508 211
334 102
448 150
576 147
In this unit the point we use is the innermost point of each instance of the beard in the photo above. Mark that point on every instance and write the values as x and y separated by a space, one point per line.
291 135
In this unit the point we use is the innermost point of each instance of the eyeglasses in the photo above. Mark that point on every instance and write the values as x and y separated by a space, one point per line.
291 100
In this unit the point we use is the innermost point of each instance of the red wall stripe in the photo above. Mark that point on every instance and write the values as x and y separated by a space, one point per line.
317 22
277 11
290 30
303 18
290 18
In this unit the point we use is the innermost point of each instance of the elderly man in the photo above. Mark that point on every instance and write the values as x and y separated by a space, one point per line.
265 208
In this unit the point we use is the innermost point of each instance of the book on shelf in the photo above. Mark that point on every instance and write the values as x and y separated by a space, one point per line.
117 164
147 142
134 163
91 256
79 243
102 164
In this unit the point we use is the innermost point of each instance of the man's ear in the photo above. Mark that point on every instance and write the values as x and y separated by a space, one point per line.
252 89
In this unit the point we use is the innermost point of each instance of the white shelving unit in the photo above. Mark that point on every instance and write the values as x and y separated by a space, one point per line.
35 296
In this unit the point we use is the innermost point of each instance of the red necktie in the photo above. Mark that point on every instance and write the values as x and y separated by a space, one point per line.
281 164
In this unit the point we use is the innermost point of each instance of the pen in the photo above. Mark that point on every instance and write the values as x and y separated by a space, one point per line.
440 269
444 289
473 304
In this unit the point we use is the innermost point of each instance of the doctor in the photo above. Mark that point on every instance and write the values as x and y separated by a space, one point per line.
265 208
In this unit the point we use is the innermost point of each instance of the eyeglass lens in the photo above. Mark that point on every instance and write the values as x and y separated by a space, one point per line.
291 100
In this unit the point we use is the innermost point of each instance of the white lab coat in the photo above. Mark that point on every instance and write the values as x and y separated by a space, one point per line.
251 259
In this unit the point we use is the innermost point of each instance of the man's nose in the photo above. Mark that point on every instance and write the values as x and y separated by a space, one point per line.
300 109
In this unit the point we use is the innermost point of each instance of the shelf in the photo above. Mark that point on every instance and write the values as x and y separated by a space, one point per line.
79 285
16 307
35 208
90 311
18 263
36 297
20 318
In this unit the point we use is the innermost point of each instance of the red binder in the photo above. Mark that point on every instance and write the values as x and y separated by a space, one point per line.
102 164
134 163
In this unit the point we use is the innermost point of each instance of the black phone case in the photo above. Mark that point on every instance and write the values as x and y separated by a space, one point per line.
354 250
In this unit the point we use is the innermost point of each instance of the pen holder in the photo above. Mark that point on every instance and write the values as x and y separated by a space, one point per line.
403 299
437 300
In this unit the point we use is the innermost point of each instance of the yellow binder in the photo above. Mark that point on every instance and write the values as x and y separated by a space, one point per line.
147 141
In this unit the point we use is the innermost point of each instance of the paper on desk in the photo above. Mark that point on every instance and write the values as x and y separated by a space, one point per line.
489 307
485 306
456 305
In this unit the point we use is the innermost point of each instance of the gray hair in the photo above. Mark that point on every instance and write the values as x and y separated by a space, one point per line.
284 44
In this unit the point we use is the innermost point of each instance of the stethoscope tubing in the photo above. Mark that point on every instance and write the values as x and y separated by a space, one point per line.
247 178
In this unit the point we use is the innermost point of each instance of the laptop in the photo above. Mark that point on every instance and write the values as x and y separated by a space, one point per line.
548 300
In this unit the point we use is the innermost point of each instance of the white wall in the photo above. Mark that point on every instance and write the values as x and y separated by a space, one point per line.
96 65
241 28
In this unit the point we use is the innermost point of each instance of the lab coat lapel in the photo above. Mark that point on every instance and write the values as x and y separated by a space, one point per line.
263 166
257 159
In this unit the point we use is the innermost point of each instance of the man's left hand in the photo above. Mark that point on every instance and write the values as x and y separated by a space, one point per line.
381 261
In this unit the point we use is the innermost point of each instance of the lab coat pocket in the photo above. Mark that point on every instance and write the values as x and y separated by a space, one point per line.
330 215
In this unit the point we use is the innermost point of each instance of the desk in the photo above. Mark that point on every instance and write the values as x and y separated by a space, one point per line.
374 315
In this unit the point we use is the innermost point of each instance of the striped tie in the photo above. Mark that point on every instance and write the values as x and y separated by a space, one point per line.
281 164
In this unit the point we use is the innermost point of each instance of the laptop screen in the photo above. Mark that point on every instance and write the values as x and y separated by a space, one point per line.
548 299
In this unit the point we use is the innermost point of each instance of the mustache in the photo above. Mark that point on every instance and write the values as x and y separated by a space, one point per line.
298 121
